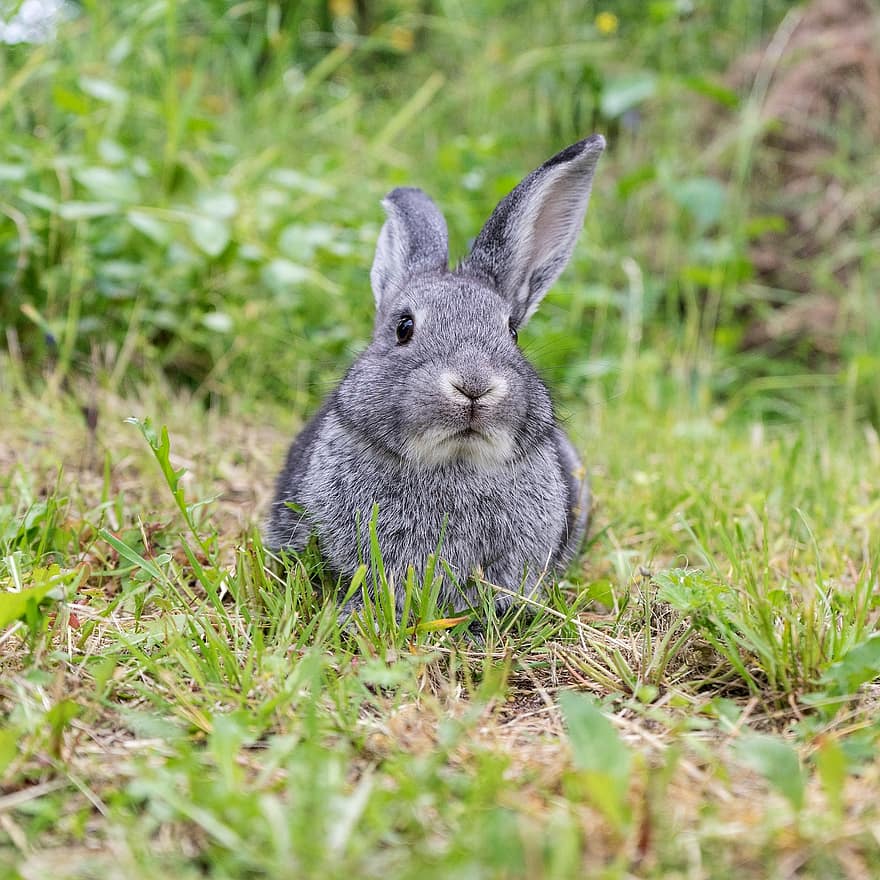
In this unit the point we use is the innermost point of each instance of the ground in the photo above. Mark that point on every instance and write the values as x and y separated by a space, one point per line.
178 708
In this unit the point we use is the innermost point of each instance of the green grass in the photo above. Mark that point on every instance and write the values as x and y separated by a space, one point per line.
179 198
176 706
188 207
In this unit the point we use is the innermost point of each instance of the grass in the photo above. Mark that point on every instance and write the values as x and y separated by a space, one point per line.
188 206
180 707
173 203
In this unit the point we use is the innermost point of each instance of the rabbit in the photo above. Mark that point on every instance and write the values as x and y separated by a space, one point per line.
442 422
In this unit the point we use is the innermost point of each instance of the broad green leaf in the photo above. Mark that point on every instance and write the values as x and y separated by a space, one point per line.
150 226
75 210
595 742
292 179
149 724
121 270
210 236
777 762
859 665
12 172
70 102
102 671
14 606
9 739
299 241
762 223
109 184
121 49
59 718
282 273
103 90
703 198
219 205
38 199
601 591
600 753
112 152
831 763
623 93
219 322
228 734
62 713
717 91
381 673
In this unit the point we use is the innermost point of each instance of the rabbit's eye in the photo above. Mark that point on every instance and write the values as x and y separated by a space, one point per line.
405 327
512 328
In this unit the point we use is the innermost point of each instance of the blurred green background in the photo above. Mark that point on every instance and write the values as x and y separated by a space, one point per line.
189 192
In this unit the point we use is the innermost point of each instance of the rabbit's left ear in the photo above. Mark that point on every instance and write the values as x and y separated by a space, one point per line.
413 240
529 238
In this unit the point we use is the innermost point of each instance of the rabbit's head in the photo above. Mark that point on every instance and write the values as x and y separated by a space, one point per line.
443 380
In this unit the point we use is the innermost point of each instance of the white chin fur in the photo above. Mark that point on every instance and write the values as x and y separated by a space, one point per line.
435 447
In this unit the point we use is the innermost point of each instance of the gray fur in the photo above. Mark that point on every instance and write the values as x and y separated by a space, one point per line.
452 432
413 240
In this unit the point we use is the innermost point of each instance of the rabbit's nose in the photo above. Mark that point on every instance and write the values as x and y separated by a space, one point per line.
486 389
472 390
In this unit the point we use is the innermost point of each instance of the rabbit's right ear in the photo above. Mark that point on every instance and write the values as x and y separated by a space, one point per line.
529 238
412 241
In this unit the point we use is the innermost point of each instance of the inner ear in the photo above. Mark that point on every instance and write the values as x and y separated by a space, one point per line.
559 218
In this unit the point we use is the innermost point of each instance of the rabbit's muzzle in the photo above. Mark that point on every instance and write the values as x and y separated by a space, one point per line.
466 425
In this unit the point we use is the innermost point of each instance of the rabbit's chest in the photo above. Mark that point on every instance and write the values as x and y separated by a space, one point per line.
509 517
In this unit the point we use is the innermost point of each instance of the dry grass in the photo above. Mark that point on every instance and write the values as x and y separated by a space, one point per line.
808 161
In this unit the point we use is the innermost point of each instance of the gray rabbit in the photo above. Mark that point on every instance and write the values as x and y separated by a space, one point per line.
442 422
